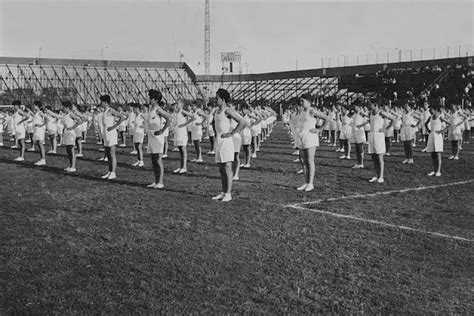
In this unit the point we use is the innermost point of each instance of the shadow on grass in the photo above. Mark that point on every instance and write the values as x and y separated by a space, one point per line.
60 171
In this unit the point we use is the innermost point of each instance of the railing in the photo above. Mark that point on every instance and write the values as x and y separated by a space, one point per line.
384 56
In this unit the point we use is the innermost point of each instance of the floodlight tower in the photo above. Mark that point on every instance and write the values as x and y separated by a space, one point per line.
207 40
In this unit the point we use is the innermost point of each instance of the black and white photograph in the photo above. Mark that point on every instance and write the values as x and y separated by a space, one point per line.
216 157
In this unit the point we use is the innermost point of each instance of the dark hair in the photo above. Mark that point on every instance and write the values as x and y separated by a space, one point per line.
67 104
155 95
16 102
306 96
105 98
223 94
38 103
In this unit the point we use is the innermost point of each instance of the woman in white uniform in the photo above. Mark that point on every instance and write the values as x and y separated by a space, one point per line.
308 139
182 120
39 131
111 120
358 134
70 121
376 140
19 118
52 130
138 132
456 120
199 119
156 141
224 142
407 132
434 145
345 134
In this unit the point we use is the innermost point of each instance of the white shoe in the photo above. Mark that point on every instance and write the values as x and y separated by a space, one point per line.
67 169
175 149
71 170
177 170
410 161
105 176
133 152
432 173
300 171
101 150
218 197
348 157
296 160
438 174
301 188
405 161
79 155
361 167
309 187
106 159
342 150
99 143
42 162
254 155
164 156
159 186
296 153
112 176
227 197
20 159
181 171
83 141
101 159
343 157
242 165
122 145
380 180
13 147
423 150
338 150
387 154
235 178
140 163
373 180
199 160
193 160
151 185
212 152
30 149
456 158
247 166
451 157
135 163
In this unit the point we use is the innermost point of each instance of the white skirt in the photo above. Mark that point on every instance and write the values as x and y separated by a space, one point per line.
69 137
308 139
38 134
138 136
156 144
435 143
237 142
224 149
110 138
358 136
407 133
376 143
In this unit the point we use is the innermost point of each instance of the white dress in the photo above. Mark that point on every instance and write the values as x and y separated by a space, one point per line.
196 128
236 137
180 133
19 129
69 137
357 133
307 139
224 146
407 132
376 136
138 128
156 143
38 132
435 140
110 137
245 134
345 128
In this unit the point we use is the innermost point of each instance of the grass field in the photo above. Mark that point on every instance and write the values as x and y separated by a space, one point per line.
77 244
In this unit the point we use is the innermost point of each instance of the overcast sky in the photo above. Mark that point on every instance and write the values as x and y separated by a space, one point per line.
272 35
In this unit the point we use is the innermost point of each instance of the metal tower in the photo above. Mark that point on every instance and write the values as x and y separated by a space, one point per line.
207 40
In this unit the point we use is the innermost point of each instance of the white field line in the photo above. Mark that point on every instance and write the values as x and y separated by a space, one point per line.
358 196
355 218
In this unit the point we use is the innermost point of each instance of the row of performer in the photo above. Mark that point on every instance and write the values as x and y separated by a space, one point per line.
375 125
228 130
